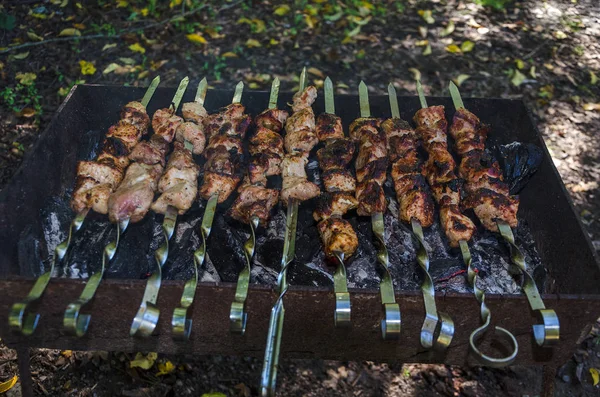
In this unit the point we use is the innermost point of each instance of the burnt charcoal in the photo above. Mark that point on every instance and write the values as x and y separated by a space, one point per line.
519 161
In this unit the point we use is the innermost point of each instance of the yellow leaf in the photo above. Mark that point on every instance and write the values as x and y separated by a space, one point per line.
196 38
155 65
137 48
111 68
175 3
67 353
426 15
122 3
20 56
453 48
467 46
69 32
26 78
560 35
63 91
253 85
87 67
273 42
519 63
79 26
595 376
144 362
422 43
258 25
427 50
316 72
6 386
109 46
416 73
517 78
127 61
213 33
34 37
26 112
423 31
144 11
448 29
460 79
591 106
310 21
593 78
229 54
251 43
282 10
244 20
144 74
165 368
532 72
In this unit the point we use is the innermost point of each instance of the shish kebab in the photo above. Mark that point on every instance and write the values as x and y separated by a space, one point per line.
459 229
225 131
178 186
128 203
489 197
91 192
299 140
371 172
338 237
255 201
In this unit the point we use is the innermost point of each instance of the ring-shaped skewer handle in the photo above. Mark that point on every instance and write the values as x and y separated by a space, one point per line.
19 319
438 327
391 324
237 315
75 322
343 309
146 318
547 333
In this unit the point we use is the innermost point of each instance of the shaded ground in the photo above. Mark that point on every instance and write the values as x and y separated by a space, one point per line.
546 53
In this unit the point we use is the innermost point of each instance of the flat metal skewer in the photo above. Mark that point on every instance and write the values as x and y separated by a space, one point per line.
271 362
148 313
181 321
548 333
434 320
343 308
237 315
392 322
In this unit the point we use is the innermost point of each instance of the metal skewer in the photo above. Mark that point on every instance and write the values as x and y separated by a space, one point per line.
343 308
433 318
237 315
147 316
545 334
269 372
181 324
392 322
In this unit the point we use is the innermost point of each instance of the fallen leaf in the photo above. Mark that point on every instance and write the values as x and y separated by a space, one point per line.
467 46
517 78
252 43
253 85
136 47
22 55
229 54
316 72
258 25
593 78
6 386
282 10
63 91
26 112
127 61
273 42
111 68
34 37
423 31
196 38
26 78
426 15
453 49
447 31
79 26
175 3
595 376
87 67
519 63
427 50
560 35
460 79
591 106
69 32
165 368
122 3
144 362
155 65
532 72
109 46
416 73
422 43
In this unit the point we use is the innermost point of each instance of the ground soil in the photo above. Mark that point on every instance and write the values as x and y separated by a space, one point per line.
560 39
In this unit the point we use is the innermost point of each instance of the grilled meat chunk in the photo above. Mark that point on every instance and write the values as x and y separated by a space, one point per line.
302 141
91 194
254 201
229 120
468 131
402 140
457 226
304 100
216 183
338 180
272 119
226 143
338 235
101 173
334 204
150 152
364 125
266 141
194 112
337 154
490 206
127 133
371 198
135 113
193 133
329 126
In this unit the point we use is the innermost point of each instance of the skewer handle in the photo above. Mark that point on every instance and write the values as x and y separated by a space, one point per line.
547 333
434 320
74 322
486 317
343 309
19 319
392 322
237 315
147 316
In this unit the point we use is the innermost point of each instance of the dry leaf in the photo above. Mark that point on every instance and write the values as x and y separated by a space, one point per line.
416 73
144 362
26 78
87 68
26 112
136 47
69 32
560 35
595 376
520 64
517 78
427 50
111 68
22 55
453 48
426 15
316 72
422 43
591 106
229 54
467 46
532 72
34 37
282 10
460 79
6 386
109 46
127 61
423 31
252 43
79 26
273 42
158 64
196 38
448 29
593 78
165 368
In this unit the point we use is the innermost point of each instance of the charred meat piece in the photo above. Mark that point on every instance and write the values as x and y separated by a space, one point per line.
254 201
337 154
334 204
402 140
468 131
338 180
301 141
194 112
127 133
490 206
229 120
329 126
298 188
304 100
375 170
457 226
338 235
266 141
101 173
371 198
215 183
272 119
135 113
440 165
364 125
193 133
230 144
150 152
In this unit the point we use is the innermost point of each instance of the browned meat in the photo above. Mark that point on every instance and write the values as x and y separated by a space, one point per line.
457 226
371 198
254 201
468 132
364 125
90 194
304 100
298 188
229 120
223 162
432 117
440 165
375 170
127 133
266 141
194 112
300 141
215 183
417 204
329 126
402 140
334 204
135 113
263 165
231 144
193 133
372 147
101 173
150 152
338 235
337 154
338 180
272 119
490 206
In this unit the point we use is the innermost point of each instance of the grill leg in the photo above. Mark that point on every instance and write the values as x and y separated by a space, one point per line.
25 372
548 379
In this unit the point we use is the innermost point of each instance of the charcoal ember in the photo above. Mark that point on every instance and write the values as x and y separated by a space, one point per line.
519 161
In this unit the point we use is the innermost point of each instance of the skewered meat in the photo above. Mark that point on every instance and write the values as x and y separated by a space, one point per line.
91 194
165 123
194 112
329 126
300 141
468 132
272 119
229 120
179 183
255 201
193 133
334 204
223 162
226 143
371 198
338 180
401 139
135 113
150 152
337 234
336 155
364 125
126 132
304 100
215 183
